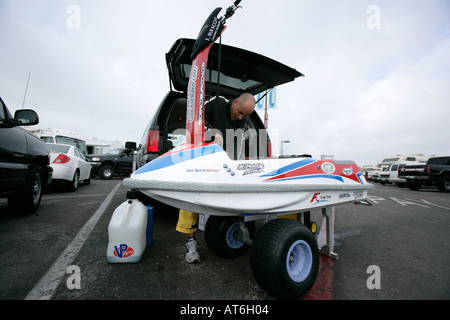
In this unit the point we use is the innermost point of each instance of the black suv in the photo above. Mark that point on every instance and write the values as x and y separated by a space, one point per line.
240 71
115 162
435 172
25 169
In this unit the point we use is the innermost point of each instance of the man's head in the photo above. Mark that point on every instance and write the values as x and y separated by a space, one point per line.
242 107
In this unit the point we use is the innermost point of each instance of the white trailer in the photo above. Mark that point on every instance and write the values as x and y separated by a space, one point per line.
60 136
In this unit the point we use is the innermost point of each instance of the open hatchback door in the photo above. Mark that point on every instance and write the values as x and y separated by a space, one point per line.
240 70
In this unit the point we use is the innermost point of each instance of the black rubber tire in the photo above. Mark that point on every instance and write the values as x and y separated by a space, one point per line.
414 184
106 172
28 198
219 236
73 185
444 184
271 257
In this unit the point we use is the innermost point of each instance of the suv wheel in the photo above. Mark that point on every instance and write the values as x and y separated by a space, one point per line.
28 198
444 184
106 172
414 184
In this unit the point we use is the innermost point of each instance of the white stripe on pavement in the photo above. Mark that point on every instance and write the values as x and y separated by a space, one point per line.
45 288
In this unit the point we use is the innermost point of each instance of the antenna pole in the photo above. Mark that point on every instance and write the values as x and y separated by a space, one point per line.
26 89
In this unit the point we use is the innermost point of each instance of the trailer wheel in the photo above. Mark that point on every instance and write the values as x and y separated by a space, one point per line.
220 236
285 258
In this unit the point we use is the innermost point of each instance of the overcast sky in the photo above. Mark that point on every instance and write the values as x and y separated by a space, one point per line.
377 73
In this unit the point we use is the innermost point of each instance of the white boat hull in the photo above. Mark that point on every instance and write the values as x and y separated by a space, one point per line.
205 180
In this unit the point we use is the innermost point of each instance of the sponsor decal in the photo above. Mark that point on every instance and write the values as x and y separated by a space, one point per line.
123 251
358 194
311 169
344 195
328 167
212 33
191 95
202 89
412 169
318 198
347 171
201 170
315 197
251 168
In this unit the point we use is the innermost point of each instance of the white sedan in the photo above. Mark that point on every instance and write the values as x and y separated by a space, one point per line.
69 165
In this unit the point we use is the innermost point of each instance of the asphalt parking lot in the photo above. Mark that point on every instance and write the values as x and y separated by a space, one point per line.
396 249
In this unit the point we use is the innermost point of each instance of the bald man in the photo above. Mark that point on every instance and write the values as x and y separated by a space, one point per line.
223 115
220 115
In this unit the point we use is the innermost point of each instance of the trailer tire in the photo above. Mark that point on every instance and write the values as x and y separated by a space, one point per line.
220 236
285 258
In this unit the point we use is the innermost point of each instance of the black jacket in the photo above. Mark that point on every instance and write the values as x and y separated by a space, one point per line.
218 117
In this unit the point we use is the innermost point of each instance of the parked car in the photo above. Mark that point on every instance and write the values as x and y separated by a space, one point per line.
369 170
116 161
383 176
241 71
69 165
435 172
393 176
25 169
382 170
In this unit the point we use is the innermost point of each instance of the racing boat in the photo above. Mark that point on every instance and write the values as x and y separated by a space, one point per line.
204 179
201 177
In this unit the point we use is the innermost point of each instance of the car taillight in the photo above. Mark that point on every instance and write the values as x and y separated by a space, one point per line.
62 158
428 169
269 149
153 141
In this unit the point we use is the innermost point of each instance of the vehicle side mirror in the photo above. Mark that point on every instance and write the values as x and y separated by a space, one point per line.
130 145
26 117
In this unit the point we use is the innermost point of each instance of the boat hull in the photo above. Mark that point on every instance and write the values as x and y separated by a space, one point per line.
205 180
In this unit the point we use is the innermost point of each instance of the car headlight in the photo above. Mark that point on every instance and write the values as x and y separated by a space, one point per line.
95 159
